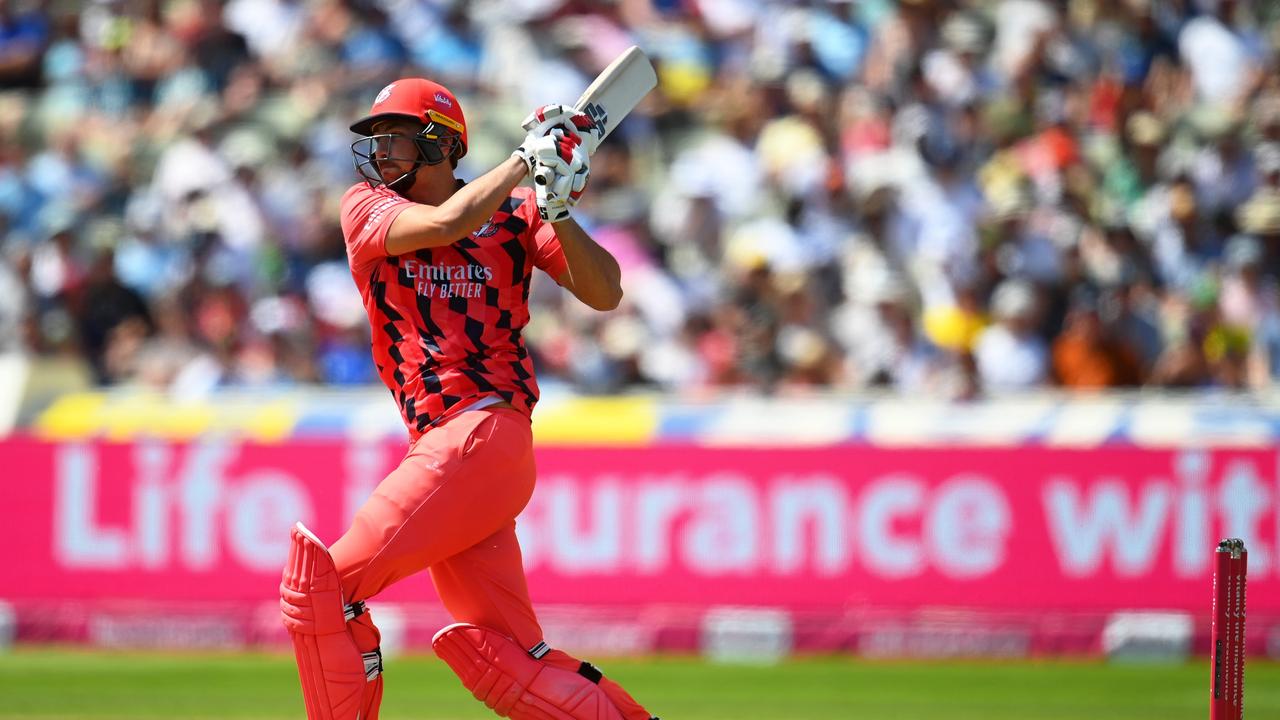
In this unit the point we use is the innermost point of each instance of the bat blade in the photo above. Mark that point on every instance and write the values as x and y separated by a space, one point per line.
615 93
611 97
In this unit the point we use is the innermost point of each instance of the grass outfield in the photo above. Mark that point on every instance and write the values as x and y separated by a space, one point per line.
74 684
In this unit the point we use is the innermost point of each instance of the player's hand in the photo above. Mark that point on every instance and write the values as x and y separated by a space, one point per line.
547 119
560 176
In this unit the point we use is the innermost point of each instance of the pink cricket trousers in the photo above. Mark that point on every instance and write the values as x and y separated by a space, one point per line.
451 506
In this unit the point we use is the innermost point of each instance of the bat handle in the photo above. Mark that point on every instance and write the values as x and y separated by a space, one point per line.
542 176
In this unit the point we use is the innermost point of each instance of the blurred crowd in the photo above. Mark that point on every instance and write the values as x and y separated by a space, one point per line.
951 199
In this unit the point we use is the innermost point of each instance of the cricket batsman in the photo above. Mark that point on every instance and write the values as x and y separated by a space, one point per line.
444 269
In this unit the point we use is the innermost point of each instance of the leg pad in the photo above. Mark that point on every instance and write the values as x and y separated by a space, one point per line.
339 680
513 684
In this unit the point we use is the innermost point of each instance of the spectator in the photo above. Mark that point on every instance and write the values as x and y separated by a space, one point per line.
1089 354
24 36
114 319
816 196
1009 354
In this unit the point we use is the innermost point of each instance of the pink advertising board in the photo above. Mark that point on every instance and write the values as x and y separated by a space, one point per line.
1023 529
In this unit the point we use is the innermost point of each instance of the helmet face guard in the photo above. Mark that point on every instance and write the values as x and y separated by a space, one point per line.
432 145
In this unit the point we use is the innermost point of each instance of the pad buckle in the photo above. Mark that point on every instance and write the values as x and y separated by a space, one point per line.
354 610
372 663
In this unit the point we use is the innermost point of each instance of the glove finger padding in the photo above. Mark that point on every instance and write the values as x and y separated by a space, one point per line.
550 207
547 117
556 152
560 186
561 121
579 184
550 117
546 120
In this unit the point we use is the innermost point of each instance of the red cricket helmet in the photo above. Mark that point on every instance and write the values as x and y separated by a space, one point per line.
422 100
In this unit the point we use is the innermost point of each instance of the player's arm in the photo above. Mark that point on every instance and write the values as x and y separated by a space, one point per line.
427 226
561 171
592 273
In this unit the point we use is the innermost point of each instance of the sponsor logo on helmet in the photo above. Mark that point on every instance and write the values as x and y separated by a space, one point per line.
444 99
382 96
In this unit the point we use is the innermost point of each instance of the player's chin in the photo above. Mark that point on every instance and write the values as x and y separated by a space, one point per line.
391 172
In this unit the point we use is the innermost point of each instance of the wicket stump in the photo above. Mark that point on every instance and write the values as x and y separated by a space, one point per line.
1229 581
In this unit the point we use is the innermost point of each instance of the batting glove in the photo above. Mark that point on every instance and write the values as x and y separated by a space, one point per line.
561 173
547 119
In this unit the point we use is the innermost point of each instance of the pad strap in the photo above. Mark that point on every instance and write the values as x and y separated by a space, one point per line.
590 672
354 610
372 663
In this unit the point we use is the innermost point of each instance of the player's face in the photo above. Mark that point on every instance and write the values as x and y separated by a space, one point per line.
394 150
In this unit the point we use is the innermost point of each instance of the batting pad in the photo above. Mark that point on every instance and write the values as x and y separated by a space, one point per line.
513 684
338 681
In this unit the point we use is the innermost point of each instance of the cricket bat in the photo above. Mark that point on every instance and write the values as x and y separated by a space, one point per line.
611 97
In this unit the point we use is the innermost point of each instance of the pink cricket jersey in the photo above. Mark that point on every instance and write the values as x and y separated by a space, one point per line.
446 321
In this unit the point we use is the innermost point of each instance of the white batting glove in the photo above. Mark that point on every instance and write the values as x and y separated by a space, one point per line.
561 173
547 119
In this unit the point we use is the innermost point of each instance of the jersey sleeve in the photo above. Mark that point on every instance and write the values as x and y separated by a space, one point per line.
367 215
547 253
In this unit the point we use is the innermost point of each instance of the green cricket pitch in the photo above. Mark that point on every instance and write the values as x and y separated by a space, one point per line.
50 683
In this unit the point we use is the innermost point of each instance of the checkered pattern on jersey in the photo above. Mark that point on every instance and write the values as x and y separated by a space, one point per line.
447 321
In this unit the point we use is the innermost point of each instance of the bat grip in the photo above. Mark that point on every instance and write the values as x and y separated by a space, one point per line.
542 176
